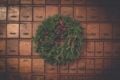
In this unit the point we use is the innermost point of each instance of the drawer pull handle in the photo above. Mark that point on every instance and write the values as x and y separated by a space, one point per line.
26 33
12 33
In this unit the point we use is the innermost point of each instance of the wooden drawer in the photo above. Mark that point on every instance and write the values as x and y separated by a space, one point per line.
81 66
98 49
93 2
90 65
90 49
116 49
52 2
38 66
25 13
25 30
3 1
64 69
38 77
51 77
12 30
73 67
92 31
105 31
83 2
26 1
13 1
12 47
51 10
3 11
108 49
116 31
67 11
13 76
66 1
50 68
35 27
2 47
39 13
26 76
98 65
72 77
38 1
25 65
63 77
3 30
92 14
84 26
2 65
25 47
80 13
13 13
107 64
12 65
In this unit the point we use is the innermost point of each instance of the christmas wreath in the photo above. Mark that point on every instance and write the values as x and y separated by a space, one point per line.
59 39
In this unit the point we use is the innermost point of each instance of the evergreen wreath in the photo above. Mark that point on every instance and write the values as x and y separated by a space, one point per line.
59 39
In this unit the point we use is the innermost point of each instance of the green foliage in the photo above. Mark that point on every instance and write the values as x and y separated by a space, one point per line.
67 49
